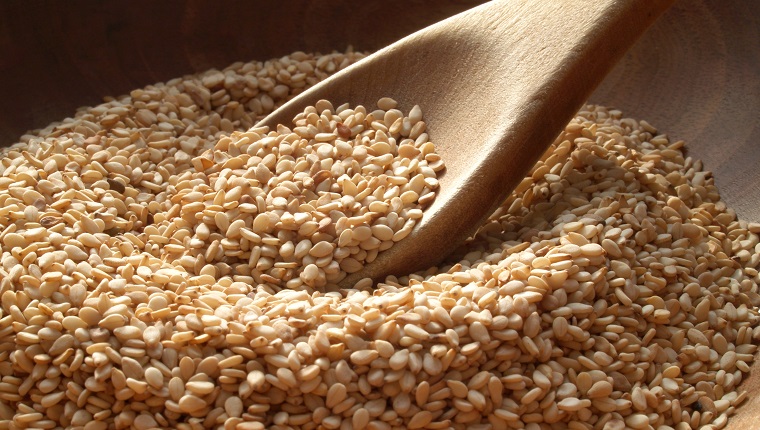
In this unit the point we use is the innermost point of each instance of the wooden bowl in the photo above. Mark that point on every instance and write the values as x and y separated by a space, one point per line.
695 75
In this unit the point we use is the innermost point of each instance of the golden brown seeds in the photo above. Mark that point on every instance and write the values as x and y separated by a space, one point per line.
165 272
190 403
420 420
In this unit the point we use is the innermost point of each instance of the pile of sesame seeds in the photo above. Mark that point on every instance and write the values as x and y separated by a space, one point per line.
613 289
301 209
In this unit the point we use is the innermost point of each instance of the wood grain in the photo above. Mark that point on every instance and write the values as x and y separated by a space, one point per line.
695 75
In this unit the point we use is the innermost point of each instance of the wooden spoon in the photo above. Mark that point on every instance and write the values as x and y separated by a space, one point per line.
496 85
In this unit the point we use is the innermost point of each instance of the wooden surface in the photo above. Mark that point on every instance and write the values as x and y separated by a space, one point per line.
496 84
694 75
58 55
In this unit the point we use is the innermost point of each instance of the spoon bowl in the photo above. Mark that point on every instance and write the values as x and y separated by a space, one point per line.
496 84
